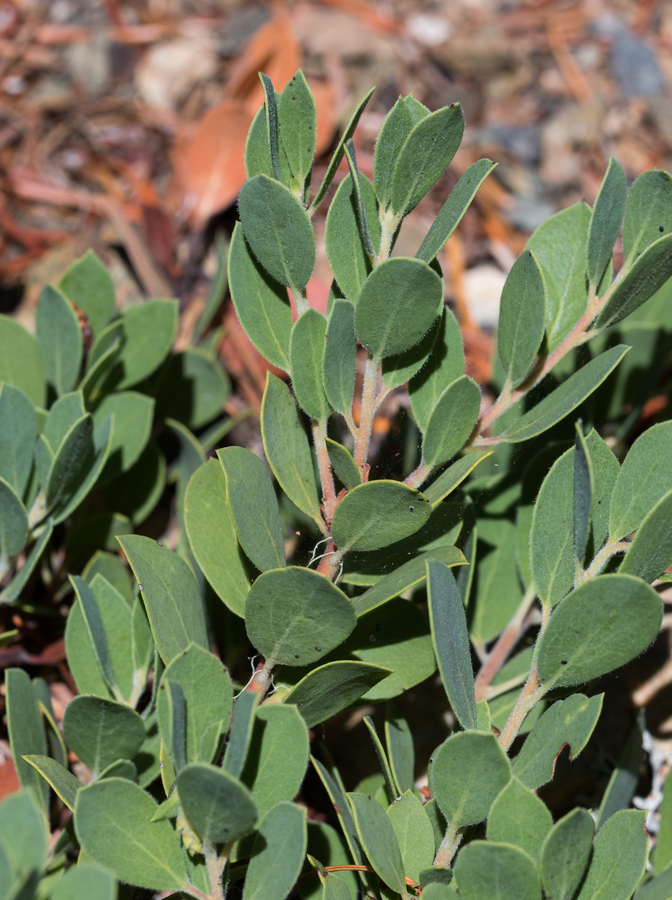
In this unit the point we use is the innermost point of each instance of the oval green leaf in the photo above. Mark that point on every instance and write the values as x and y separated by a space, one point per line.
486 870
378 513
333 687
278 853
59 339
347 255
20 361
218 806
444 366
306 350
451 422
565 854
102 731
522 315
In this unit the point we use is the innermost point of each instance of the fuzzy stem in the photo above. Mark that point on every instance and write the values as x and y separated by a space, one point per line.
324 465
418 475
367 413
504 645
301 300
216 865
261 679
449 845
603 557
330 562
389 222
530 695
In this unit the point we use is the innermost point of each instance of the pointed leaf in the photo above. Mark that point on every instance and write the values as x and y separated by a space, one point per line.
647 212
424 157
331 780
298 125
287 448
648 274
467 773
348 258
550 542
340 357
96 632
257 523
396 127
619 858
522 315
570 722
414 834
605 220
520 818
399 743
102 731
444 366
20 363
377 514
452 420
454 208
114 828
278 853
344 466
598 628
170 595
72 459
486 870
378 840
59 339
333 687
240 733
566 398
397 305
218 807
59 778
451 642
454 475
295 616
212 535
565 854
88 283
278 230
306 350
261 303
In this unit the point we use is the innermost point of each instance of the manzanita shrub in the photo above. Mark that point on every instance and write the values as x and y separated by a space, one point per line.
526 566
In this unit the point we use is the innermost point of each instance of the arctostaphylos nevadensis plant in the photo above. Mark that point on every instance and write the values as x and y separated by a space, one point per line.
434 569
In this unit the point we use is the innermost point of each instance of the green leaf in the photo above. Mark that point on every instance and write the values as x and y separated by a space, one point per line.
271 115
240 734
88 283
333 687
454 475
23 835
347 255
396 127
26 730
295 616
619 858
193 388
74 456
486 870
287 448
57 776
451 642
133 414
404 577
378 840
565 854
59 339
444 366
208 696
85 880
647 212
644 479
399 743
298 125
522 316
212 535
335 888
397 370
13 523
261 303
551 535
520 818
663 853
257 523
623 781
333 785
170 594
454 208
258 143
217 289
344 466
20 363
397 305
90 608
451 421
278 230
648 274
378 513
650 552
218 807
583 494
114 829
570 722
102 731
102 441
467 773
306 349
340 357
598 628
269 772
414 834
559 246
564 399
497 592
605 221
424 157
659 888
335 160
149 329
439 875
136 493
18 433
278 853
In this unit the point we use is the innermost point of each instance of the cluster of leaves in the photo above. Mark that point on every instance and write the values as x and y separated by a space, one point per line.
538 549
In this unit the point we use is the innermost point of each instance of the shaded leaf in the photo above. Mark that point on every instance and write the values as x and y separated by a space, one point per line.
340 356
18 433
648 274
344 466
102 731
26 730
565 854
486 870
333 687
378 840
444 365
452 421
218 807
277 856
520 818
414 834
306 350
378 513
551 545
618 860
347 255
